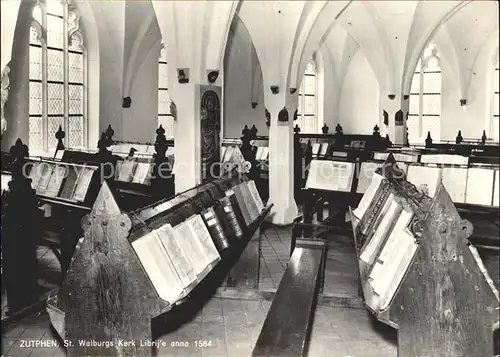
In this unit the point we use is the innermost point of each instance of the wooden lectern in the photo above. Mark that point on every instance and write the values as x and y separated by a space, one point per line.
445 303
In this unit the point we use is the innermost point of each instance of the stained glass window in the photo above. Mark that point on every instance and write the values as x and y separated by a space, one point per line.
425 97
307 118
57 76
165 118
496 99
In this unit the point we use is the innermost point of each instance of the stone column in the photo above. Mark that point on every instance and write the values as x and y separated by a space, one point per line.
281 171
187 166
396 107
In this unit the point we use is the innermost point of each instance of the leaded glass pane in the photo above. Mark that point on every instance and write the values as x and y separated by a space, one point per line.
55 65
167 122
55 98
34 36
35 62
496 80
431 124
309 105
496 129
55 36
53 126
310 69
414 104
310 84
75 67
163 102
413 134
75 42
36 98
72 20
35 133
415 84
75 131
301 88
55 7
307 124
37 14
162 75
496 99
432 82
163 54
431 104
75 99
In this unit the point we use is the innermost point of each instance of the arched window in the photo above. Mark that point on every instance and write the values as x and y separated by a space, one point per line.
495 127
307 114
425 97
165 118
57 77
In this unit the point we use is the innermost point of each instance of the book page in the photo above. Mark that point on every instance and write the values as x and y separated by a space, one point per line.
200 231
382 156
69 184
35 174
83 184
455 180
368 196
258 154
141 173
229 154
324 149
55 183
158 267
389 214
496 190
59 155
480 183
399 264
222 153
444 159
315 148
405 157
330 175
255 195
127 170
366 172
192 246
385 268
180 259
45 178
265 154
424 178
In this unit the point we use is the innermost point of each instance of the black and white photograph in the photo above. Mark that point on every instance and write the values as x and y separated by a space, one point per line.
250 178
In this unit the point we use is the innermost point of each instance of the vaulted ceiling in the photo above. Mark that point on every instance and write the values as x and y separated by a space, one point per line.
285 34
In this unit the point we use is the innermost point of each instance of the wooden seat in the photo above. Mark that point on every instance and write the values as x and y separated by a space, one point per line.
288 323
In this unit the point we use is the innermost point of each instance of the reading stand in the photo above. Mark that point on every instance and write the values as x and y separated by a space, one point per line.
442 301
108 295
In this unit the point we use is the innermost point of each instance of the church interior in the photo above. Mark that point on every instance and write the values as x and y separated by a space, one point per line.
250 178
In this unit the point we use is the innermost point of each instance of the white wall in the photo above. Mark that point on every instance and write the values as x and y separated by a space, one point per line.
359 101
238 110
140 121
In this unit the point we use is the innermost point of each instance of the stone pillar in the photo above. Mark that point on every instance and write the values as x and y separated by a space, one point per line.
187 166
397 108
281 159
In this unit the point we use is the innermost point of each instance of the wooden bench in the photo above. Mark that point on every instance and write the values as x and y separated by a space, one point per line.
288 323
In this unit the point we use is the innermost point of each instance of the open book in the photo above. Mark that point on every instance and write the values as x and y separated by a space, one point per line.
159 267
330 175
393 261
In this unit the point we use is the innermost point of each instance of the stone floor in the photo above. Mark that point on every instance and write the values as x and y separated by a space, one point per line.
230 327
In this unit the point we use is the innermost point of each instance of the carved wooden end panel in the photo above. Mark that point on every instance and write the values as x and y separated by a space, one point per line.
447 304
108 299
